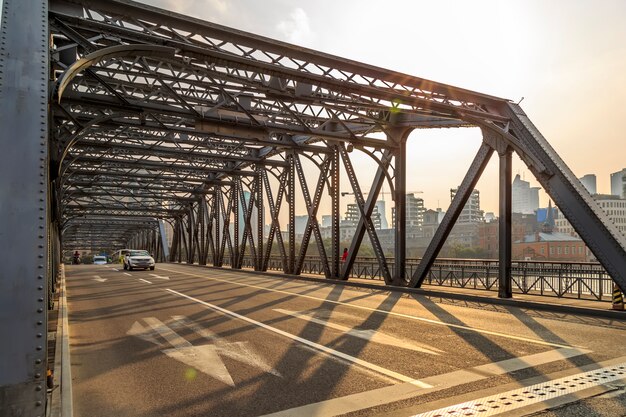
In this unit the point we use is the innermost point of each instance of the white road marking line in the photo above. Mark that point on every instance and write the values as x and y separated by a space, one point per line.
97 278
159 276
306 342
126 273
369 335
115 269
390 313
204 358
399 392
145 280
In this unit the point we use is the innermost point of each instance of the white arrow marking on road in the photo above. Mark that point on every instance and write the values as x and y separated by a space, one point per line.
369 335
145 280
143 333
307 342
239 351
159 276
126 273
97 278
203 358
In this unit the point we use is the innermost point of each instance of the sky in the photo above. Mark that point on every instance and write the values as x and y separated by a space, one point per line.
564 59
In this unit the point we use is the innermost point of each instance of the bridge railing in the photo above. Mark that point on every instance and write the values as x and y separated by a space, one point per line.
582 280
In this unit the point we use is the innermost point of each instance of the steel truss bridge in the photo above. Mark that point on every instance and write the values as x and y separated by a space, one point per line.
118 118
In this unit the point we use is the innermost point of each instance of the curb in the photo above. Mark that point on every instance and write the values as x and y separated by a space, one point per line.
531 305
61 401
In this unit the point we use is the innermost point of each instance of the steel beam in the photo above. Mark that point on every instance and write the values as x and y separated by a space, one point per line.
465 190
591 223
505 285
366 208
25 228
335 215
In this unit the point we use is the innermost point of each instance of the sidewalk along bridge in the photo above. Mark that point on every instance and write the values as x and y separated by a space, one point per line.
118 118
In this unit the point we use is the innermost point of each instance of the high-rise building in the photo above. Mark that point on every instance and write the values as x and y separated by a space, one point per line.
380 206
471 212
618 183
589 182
353 215
327 220
524 198
300 223
414 211
613 206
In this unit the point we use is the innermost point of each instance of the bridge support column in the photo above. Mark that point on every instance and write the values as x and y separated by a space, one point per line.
504 226
162 233
291 194
25 224
400 205
335 213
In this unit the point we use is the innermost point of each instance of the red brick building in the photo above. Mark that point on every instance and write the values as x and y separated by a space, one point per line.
543 246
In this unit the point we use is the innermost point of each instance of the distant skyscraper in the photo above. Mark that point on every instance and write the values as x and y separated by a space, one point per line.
353 214
380 206
589 181
471 212
327 220
300 223
524 198
414 211
618 183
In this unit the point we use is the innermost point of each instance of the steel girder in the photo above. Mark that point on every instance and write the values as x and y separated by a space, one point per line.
28 234
185 106
159 115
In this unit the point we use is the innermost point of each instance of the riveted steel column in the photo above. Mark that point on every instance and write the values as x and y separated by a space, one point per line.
258 264
24 206
236 209
166 250
504 232
292 213
400 205
217 258
190 244
334 195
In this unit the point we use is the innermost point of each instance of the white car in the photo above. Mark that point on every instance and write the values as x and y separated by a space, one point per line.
99 260
138 259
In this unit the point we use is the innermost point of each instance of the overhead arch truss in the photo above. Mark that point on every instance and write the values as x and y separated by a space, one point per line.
175 118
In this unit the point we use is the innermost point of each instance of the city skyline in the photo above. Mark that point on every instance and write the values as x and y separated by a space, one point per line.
564 60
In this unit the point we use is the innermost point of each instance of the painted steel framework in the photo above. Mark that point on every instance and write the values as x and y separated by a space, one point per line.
129 116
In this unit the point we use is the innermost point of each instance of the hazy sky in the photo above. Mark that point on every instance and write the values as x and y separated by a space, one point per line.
567 58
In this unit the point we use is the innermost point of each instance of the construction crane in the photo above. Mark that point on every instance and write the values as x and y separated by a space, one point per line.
345 193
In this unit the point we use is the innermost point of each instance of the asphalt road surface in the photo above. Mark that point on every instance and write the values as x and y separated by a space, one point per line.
192 341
